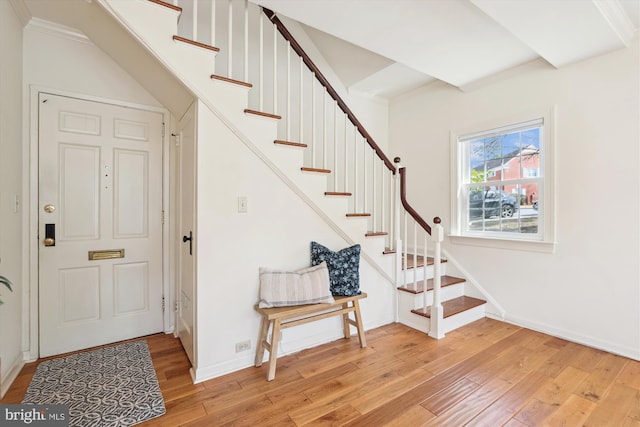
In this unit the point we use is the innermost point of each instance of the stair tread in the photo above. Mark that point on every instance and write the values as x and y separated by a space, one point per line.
195 43
445 280
228 80
337 193
388 251
453 306
290 143
419 261
165 4
376 233
262 113
306 169
358 214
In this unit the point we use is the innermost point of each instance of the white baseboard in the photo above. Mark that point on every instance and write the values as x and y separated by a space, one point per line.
245 361
608 346
12 374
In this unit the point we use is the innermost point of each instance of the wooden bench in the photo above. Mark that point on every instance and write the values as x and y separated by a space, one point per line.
286 317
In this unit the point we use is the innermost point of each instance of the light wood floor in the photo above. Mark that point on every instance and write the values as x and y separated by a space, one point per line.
488 373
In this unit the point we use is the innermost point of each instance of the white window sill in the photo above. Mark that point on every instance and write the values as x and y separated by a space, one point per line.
510 244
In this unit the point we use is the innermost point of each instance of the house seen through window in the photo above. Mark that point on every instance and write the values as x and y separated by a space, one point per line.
501 180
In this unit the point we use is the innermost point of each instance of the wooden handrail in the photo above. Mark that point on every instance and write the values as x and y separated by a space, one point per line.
324 82
403 198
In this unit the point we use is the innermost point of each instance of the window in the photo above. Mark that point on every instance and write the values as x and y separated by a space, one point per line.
501 191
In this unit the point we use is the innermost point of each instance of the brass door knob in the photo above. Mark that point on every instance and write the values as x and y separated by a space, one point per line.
49 208
49 241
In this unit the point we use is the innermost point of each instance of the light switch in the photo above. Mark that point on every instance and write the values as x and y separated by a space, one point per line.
242 204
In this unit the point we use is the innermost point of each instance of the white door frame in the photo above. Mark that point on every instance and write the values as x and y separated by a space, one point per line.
30 318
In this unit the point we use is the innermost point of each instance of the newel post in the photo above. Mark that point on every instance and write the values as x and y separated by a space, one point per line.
397 203
437 313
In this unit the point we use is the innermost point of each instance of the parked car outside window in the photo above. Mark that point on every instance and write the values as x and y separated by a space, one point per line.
492 203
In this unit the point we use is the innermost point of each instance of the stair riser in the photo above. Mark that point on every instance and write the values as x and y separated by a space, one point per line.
458 320
414 321
203 59
416 301
449 324
419 273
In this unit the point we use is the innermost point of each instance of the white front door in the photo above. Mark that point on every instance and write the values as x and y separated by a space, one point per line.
186 284
100 223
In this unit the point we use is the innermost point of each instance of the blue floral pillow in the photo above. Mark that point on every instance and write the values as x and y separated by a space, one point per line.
344 275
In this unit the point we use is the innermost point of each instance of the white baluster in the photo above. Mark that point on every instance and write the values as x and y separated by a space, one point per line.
355 169
288 118
415 255
405 252
346 156
364 175
261 66
246 40
424 270
335 146
324 130
275 70
373 192
313 120
213 22
301 99
194 27
382 191
437 313
230 36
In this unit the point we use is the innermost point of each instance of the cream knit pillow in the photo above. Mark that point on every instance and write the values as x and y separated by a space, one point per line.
284 288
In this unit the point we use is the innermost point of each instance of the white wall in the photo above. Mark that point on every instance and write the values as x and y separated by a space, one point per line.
588 290
57 60
10 187
275 233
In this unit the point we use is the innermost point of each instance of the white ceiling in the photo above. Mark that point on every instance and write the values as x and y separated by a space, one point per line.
387 47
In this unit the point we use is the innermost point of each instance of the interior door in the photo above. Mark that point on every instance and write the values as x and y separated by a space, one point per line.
186 282
100 223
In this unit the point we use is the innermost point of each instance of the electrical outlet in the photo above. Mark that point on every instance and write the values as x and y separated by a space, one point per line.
243 346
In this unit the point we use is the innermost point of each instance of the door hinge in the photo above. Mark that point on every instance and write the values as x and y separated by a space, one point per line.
163 304
162 217
176 306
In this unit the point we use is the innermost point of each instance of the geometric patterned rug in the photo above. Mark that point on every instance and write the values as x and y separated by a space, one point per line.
109 387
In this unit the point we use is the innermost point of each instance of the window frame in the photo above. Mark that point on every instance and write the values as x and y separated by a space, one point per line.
544 240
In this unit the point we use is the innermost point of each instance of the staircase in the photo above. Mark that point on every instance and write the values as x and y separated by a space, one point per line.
311 140
458 309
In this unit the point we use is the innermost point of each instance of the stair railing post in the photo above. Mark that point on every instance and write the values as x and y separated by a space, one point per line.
397 203
395 240
437 313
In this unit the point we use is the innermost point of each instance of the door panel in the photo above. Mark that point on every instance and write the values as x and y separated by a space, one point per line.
131 193
131 287
100 176
79 294
79 188
187 250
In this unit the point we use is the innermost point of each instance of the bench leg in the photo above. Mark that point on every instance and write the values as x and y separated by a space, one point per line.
345 321
363 340
264 329
273 354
